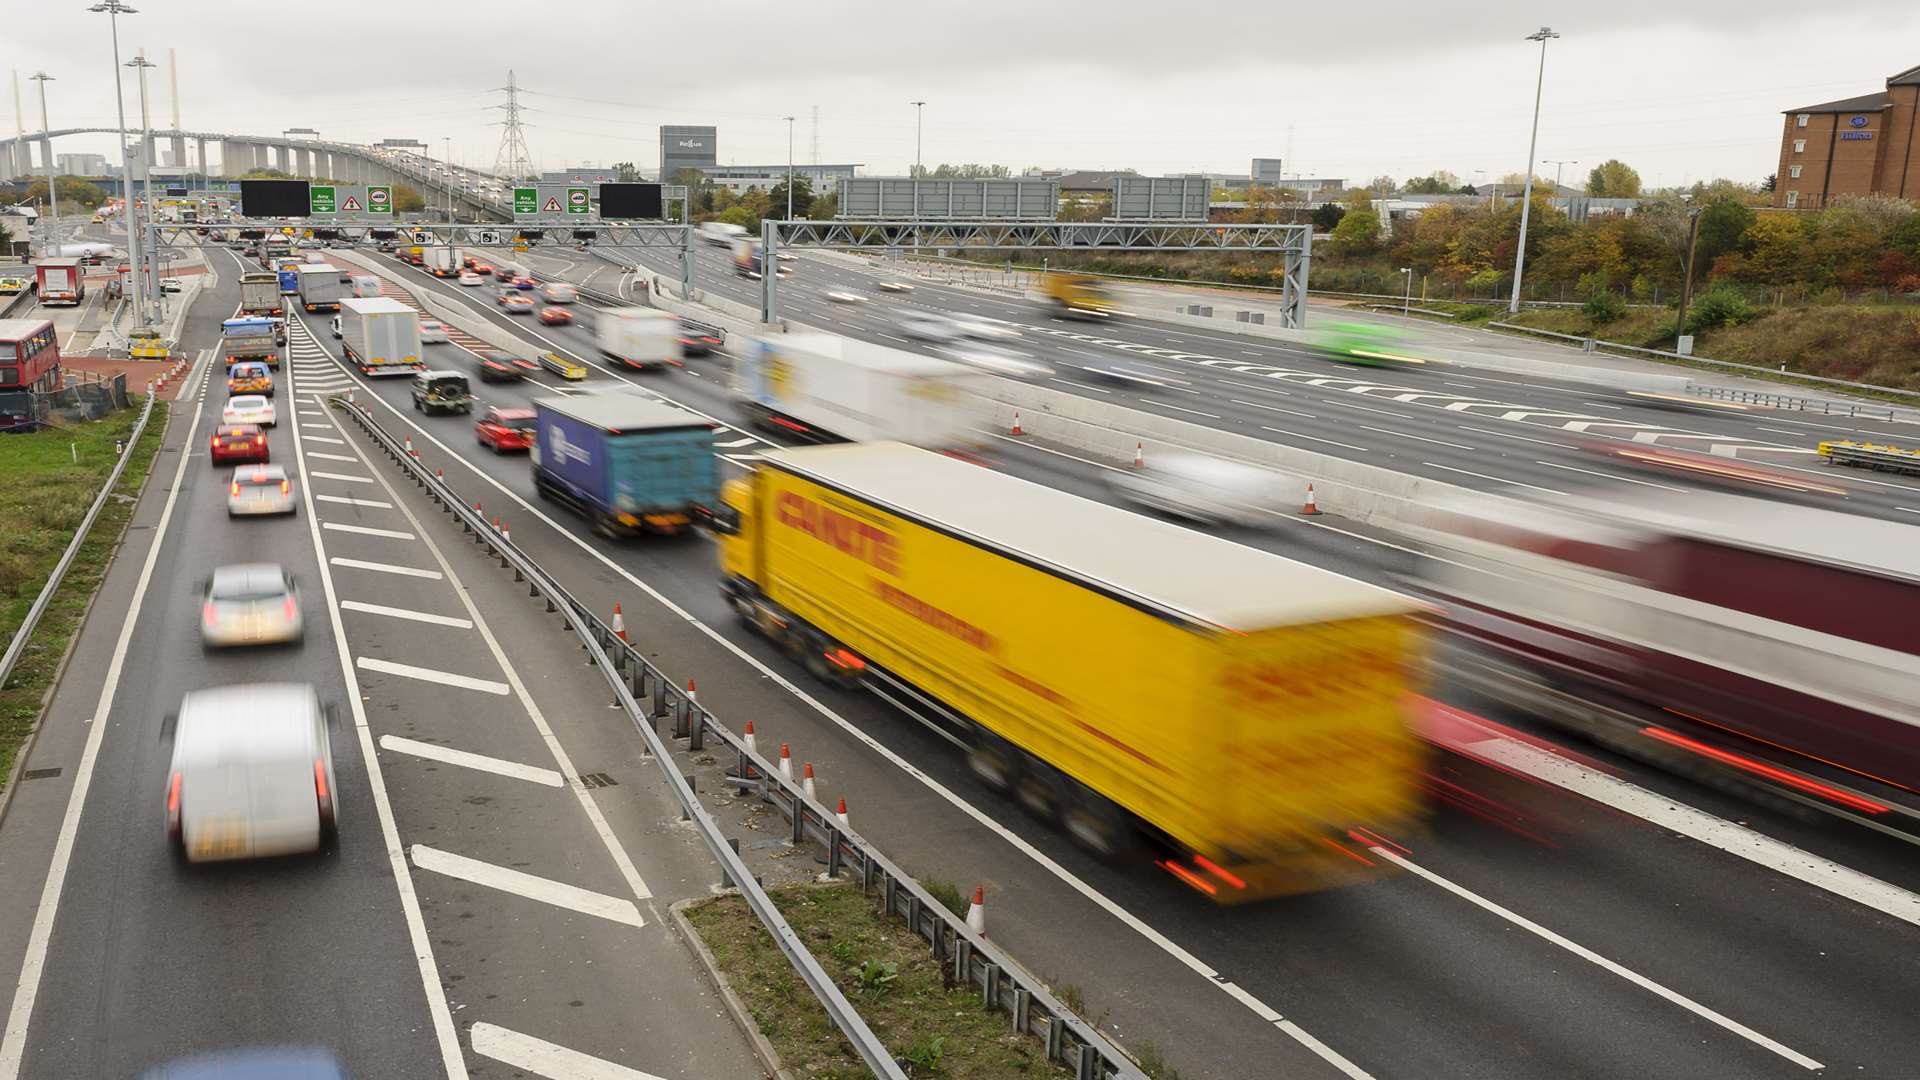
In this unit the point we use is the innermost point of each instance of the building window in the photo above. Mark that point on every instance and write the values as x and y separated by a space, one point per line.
1793 198
1799 146
1802 120
1794 171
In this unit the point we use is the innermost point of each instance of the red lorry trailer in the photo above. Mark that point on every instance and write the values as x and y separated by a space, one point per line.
60 281
1749 640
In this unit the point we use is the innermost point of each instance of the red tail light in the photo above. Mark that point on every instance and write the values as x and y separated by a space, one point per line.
320 791
260 440
173 805
216 442
290 608
286 486
235 490
208 613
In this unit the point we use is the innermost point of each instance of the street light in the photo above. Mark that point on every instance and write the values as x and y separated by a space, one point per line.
114 9
919 111
1543 35
140 63
1556 173
789 168
52 246
1686 282
1406 301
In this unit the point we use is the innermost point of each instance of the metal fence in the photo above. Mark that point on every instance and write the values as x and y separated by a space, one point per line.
84 398
650 699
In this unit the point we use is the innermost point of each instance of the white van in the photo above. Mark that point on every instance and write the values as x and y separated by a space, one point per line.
366 285
252 773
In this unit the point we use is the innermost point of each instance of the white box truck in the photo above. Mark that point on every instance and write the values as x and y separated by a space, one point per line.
830 389
720 232
640 338
319 287
381 336
441 261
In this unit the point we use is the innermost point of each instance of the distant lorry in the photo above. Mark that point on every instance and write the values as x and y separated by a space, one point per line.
320 288
260 294
1165 696
289 275
827 388
441 261
638 337
720 232
1077 296
249 339
630 464
380 336
1764 642
60 281
746 256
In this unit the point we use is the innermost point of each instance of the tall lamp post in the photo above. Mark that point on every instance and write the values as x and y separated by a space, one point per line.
789 168
151 255
114 9
1406 299
52 246
1543 35
1686 281
919 112
1557 165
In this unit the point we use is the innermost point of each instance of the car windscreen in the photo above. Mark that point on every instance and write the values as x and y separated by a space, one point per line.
239 588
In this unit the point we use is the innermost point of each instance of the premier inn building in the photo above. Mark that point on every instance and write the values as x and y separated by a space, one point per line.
1855 146
683 147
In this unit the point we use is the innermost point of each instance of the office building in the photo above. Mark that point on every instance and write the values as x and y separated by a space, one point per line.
683 147
1855 146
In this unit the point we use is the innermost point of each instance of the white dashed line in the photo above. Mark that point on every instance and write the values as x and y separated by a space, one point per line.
545 890
481 762
1316 438
384 568
1495 479
543 1058
364 530
432 675
406 613
349 500
342 476
1417 438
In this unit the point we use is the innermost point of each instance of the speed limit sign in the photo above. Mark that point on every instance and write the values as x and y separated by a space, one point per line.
421 236
490 237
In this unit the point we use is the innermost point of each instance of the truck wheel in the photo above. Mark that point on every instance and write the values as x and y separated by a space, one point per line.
1040 789
603 525
993 761
1101 828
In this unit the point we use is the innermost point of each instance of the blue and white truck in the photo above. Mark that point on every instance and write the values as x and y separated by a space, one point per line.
628 463
248 339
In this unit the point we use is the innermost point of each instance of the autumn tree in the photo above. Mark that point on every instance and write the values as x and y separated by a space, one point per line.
1359 230
406 200
1613 179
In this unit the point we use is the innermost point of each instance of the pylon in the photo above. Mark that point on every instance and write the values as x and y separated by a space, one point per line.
786 761
1016 424
1311 507
748 738
496 524
1139 454
619 624
506 533
842 813
806 781
411 452
692 694
977 911
440 475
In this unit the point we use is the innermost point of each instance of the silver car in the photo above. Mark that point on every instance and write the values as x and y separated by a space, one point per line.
250 604
252 773
260 489
1203 489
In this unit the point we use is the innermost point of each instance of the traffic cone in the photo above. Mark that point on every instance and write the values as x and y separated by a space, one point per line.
506 533
748 739
977 911
842 813
692 694
1311 507
1016 423
496 524
786 761
440 475
411 452
806 781
620 625
1139 454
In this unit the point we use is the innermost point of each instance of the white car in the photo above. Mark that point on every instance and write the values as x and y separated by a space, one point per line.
840 297
559 292
926 326
251 773
260 489
433 332
1202 489
894 286
248 409
986 329
250 604
998 359
171 284
471 279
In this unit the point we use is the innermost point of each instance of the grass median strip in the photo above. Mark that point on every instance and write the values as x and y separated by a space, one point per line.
47 481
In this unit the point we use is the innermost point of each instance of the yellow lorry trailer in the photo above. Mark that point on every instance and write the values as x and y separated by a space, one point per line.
1239 718
1077 296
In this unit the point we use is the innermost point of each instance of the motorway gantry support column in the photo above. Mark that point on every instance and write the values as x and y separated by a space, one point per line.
769 299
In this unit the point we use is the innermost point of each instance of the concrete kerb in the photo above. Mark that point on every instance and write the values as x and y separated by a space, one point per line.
736 1008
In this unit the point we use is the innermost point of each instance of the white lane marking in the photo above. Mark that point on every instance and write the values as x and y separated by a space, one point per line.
1609 476
1176 408
13 1046
384 568
406 613
324 439
466 760
1261 389
330 457
890 337
1382 412
318 427
1014 840
1273 408
1080 386
737 442
342 476
1590 956
349 500
1316 438
1736 840
1522 438
1417 438
543 1058
363 530
1597 405
432 675
1496 479
1908 509
546 890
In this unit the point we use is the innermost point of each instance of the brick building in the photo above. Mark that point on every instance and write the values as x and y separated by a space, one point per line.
1855 146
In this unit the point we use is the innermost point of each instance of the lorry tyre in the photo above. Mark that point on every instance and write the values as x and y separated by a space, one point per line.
994 761
603 525
1040 789
1099 827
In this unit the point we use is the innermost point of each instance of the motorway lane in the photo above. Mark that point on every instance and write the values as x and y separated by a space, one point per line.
1409 949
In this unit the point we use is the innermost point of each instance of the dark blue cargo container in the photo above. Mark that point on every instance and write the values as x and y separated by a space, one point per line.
629 463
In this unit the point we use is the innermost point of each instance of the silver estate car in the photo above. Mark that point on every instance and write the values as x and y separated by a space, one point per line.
252 773
260 489
250 604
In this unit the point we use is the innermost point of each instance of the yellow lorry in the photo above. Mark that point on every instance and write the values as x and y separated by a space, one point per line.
1077 295
1241 719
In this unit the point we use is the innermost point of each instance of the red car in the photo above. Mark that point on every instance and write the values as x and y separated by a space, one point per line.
481 268
505 429
238 442
555 316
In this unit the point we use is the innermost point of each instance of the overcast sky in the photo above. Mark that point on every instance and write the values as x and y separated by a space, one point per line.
1681 89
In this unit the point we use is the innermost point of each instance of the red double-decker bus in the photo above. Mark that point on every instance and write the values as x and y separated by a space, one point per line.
29 364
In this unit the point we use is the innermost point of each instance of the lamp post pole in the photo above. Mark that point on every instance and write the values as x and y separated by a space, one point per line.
1543 35
114 9
919 112
150 255
789 168
1406 300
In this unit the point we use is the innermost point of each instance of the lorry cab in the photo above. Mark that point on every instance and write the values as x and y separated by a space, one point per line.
1077 295
733 524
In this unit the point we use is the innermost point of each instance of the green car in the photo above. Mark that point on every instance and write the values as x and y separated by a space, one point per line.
1365 343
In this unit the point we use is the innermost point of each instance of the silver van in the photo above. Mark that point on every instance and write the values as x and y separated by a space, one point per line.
252 773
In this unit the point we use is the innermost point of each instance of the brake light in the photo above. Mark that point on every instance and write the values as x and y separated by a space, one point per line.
236 488
320 792
208 613
286 486
173 805
290 608
260 440
216 442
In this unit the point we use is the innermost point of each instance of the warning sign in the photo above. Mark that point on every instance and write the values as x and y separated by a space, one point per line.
551 206
379 199
350 206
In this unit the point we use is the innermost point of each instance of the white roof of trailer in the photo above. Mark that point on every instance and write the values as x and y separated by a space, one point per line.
1177 571
867 355
376 305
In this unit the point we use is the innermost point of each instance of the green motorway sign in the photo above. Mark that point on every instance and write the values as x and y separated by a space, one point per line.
379 200
526 200
577 201
320 200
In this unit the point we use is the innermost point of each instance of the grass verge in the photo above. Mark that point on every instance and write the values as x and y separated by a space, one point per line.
47 481
886 971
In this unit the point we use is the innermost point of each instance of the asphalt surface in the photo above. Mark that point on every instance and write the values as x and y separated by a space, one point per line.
1633 923
486 910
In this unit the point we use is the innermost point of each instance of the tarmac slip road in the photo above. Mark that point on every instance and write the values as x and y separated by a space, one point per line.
484 908
1598 923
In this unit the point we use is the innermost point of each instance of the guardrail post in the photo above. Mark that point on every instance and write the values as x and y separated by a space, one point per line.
696 728
1089 1065
963 966
1022 1006
1056 1032
991 991
799 820
834 865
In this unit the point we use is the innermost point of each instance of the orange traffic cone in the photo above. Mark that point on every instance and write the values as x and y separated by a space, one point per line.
842 813
786 761
1311 507
977 911
619 623
748 738
1016 423
1139 454
806 781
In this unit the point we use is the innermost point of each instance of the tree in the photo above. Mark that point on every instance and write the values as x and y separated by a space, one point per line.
739 215
73 192
1438 182
1779 248
1383 185
1516 182
1723 229
626 172
824 207
265 174
802 197
1326 217
961 172
1359 230
1771 181
1613 179
699 189
406 200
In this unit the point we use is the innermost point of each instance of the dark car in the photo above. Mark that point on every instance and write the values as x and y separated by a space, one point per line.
238 442
495 365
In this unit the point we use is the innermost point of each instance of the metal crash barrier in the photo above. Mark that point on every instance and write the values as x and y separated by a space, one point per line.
649 698
1872 456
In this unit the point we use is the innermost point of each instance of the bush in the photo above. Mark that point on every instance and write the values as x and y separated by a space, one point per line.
1604 306
1719 306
